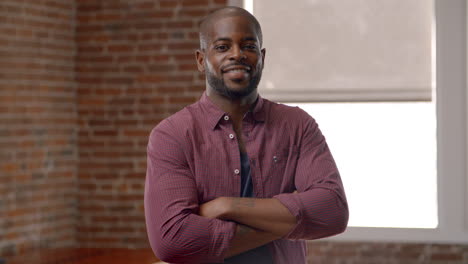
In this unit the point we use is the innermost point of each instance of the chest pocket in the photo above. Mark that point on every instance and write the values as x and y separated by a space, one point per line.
279 170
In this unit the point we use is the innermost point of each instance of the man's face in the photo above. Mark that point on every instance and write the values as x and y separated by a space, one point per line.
232 59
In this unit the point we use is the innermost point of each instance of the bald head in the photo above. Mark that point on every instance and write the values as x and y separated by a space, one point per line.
230 11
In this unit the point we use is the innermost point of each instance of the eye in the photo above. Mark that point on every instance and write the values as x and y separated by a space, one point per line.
221 48
250 47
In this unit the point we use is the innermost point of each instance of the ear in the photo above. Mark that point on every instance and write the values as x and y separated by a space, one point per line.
263 51
200 57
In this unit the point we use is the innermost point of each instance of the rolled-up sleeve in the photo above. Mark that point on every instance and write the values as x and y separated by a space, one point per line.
320 205
176 232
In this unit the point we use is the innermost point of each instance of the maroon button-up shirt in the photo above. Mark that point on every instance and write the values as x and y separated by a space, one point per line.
193 157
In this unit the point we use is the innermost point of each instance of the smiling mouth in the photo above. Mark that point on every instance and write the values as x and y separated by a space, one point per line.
236 69
237 75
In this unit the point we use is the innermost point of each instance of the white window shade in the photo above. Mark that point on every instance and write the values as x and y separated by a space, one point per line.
346 50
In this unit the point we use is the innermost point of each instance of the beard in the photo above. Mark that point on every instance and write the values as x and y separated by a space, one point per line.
220 86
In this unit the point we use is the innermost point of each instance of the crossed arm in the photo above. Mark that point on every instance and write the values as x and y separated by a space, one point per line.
259 221
180 230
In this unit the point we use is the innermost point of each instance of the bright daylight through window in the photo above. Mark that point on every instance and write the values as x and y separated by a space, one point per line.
366 76
386 153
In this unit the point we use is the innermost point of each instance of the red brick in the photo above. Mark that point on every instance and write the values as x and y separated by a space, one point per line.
99 122
104 240
161 14
120 48
150 47
9 167
154 35
168 3
180 24
109 91
111 219
121 230
146 5
66 6
180 78
108 17
152 78
84 6
90 49
87 186
191 3
447 256
20 212
105 133
197 13
188 67
133 69
103 176
148 25
122 59
92 101
90 229
189 57
136 133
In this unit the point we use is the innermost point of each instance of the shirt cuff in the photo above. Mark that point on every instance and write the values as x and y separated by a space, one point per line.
292 202
221 241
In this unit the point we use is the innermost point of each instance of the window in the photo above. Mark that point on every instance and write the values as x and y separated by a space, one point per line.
346 51
386 153
438 193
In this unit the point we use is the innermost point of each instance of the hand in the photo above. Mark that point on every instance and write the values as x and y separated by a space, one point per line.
216 208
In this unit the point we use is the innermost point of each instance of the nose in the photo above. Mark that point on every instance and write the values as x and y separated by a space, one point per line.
237 54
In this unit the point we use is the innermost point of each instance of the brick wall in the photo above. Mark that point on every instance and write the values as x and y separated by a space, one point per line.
135 66
37 125
385 253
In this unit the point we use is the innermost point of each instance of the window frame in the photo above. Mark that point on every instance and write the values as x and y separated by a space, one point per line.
452 137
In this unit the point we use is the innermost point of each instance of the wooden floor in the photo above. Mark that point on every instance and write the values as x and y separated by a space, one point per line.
87 256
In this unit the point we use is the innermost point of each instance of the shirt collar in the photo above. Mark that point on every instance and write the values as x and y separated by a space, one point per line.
215 114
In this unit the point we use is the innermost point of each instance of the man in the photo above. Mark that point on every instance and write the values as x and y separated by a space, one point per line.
235 178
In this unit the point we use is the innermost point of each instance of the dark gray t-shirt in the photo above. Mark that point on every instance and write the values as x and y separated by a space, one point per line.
260 255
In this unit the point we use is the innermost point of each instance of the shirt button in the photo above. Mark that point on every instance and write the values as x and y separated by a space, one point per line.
226 118
236 171
231 136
